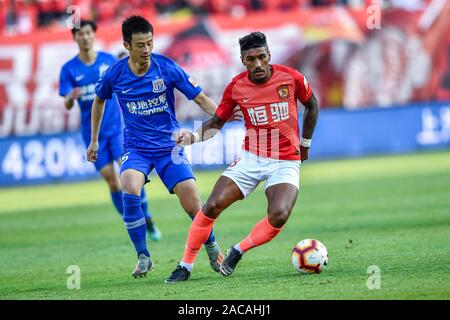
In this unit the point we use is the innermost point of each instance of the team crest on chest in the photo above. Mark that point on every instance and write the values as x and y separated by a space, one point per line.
283 91
158 85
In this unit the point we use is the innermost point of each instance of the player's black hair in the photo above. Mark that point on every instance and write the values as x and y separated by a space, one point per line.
135 24
253 40
84 23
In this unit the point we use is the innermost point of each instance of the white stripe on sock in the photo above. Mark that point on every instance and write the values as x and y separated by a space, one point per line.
135 224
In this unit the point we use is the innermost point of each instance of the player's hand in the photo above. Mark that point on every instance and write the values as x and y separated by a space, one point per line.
304 153
92 151
183 137
237 115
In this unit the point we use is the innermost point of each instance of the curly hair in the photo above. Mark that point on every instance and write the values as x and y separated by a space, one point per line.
253 40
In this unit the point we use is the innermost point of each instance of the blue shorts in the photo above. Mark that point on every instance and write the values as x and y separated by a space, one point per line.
171 166
109 150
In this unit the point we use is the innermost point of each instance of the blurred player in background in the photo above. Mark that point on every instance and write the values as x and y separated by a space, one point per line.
77 82
267 96
144 84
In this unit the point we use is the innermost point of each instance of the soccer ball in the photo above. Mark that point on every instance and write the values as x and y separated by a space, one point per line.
309 256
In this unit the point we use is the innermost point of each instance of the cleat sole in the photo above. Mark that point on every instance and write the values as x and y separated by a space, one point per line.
142 275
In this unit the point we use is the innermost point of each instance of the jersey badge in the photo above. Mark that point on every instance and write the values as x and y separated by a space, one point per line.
283 91
158 85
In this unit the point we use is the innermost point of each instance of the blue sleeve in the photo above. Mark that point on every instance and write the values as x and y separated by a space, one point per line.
103 88
183 82
65 82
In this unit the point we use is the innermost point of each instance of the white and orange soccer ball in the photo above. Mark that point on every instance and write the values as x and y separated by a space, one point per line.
309 256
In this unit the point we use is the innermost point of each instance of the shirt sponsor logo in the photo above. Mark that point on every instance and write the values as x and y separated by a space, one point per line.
87 92
278 111
148 107
79 78
158 85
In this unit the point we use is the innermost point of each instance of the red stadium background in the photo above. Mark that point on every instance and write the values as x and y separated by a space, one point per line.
349 65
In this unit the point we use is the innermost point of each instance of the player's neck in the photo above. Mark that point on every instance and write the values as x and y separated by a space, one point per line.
138 68
88 56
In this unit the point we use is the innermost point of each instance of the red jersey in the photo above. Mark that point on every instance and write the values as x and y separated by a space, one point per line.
270 111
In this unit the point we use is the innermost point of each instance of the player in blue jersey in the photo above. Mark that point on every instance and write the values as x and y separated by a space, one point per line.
144 84
77 82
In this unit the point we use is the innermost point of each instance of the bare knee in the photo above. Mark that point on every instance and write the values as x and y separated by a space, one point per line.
130 188
192 205
278 216
113 183
111 178
189 197
213 208
132 183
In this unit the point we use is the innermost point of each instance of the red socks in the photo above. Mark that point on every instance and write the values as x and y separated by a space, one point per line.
198 233
201 227
261 233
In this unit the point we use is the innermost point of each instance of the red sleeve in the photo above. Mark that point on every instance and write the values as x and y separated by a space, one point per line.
227 105
303 89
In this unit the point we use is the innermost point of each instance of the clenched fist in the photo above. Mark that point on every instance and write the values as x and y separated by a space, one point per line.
92 151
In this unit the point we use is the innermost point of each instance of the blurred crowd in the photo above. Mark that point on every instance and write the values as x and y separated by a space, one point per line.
26 16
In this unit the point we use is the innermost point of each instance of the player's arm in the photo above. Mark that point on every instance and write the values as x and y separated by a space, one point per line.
98 108
206 103
213 125
310 117
103 92
67 88
208 130
69 100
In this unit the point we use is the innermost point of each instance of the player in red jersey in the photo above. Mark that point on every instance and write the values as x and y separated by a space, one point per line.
273 151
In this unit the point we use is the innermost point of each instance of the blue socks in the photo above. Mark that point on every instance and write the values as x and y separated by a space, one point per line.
211 237
144 205
134 220
117 201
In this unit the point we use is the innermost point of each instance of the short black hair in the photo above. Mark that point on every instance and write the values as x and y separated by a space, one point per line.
135 24
84 23
253 40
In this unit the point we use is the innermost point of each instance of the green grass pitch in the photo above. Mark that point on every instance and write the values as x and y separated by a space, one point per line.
392 212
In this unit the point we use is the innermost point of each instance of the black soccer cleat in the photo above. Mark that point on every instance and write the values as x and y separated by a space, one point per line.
178 275
229 264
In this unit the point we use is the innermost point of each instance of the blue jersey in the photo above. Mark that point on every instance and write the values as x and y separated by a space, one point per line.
147 101
75 73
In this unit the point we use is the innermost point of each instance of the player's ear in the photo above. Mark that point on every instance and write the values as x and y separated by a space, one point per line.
127 45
